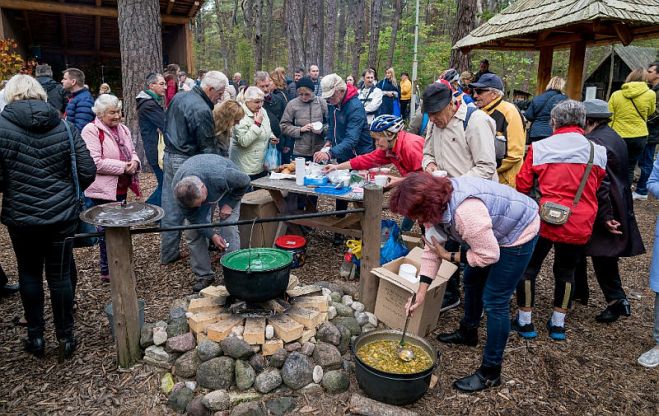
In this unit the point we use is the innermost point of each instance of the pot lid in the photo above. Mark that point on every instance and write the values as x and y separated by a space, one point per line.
290 242
257 259
118 214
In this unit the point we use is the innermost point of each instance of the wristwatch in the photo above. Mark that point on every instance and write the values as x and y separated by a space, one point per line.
452 257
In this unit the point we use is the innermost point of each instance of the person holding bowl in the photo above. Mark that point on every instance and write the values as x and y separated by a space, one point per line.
500 228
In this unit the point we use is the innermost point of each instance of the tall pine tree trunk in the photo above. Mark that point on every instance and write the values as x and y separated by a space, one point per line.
374 38
221 30
269 11
464 23
294 18
341 44
360 31
257 38
314 36
140 41
330 34
398 8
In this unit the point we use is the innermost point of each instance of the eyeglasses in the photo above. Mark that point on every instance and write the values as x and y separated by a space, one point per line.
480 91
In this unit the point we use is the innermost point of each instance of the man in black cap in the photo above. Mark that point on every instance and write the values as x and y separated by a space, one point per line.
460 141
488 94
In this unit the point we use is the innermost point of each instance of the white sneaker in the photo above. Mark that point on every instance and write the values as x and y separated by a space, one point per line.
639 196
650 359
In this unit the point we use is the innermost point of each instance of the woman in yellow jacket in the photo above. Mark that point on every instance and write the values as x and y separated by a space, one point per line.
631 106
405 95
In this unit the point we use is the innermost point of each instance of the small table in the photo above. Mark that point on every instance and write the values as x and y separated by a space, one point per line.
350 225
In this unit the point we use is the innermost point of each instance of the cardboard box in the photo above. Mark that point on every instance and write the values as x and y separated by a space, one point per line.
258 204
394 291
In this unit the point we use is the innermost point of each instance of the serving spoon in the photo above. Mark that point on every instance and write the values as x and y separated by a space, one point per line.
405 353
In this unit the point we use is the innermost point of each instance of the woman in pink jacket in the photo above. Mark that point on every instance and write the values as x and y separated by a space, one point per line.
110 145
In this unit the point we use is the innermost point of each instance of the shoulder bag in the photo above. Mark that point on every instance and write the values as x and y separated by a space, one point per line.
558 214
83 227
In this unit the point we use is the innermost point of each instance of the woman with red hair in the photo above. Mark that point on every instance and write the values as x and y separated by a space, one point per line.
500 227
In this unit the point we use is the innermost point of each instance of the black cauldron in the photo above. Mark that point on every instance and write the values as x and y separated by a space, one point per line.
257 274
396 389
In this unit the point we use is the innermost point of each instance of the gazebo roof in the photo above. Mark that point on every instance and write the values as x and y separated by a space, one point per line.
531 24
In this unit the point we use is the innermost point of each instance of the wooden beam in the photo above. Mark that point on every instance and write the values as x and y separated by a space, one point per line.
193 9
80 52
189 51
624 33
77 9
170 6
544 68
575 70
97 33
99 3
371 224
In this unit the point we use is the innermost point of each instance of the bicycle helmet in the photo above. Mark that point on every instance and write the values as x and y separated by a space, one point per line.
452 76
387 122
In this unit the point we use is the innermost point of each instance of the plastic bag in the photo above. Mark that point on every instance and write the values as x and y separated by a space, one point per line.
272 158
393 246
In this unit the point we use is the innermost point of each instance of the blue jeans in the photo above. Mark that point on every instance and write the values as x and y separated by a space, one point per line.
491 288
151 153
170 241
645 163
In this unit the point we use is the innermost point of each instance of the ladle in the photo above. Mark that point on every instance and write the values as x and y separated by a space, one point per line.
405 353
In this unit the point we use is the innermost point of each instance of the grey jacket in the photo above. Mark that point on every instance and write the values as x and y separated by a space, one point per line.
297 115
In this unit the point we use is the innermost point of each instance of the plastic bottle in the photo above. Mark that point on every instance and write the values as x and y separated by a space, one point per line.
346 265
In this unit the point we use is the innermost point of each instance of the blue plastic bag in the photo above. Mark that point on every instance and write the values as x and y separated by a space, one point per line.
272 158
393 246
396 107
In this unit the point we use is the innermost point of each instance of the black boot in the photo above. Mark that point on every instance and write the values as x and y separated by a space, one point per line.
614 311
66 348
483 378
462 336
35 346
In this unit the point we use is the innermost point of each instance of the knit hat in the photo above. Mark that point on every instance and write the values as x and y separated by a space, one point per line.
305 82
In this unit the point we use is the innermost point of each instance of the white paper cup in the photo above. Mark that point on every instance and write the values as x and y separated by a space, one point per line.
381 180
440 174
317 126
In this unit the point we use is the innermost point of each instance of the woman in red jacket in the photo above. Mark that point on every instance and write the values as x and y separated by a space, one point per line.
392 146
560 163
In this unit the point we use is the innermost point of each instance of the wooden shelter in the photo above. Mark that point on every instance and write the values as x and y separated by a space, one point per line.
575 24
607 78
85 34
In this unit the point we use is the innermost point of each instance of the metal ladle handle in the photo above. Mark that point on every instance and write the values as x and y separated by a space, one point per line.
407 321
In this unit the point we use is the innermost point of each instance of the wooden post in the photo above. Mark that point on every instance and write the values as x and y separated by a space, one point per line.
189 52
124 298
544 68
371 225
575 69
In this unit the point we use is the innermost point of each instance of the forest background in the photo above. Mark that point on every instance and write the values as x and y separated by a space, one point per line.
346 36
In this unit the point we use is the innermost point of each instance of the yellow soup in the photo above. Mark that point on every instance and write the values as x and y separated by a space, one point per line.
383 356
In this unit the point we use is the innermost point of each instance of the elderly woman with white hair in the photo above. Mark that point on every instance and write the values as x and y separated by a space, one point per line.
110 145
39 205
251 136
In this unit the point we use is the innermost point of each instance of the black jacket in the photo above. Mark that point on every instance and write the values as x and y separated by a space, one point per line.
653 121
35 166
189 126
151 117
55 91
274 105
539 111
618 205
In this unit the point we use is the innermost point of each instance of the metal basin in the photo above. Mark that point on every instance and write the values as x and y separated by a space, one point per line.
118 214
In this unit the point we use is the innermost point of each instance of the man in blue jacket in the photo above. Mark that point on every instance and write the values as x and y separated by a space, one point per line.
79 109
348 134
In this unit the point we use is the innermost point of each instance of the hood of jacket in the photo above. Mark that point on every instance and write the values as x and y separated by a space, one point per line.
48 83
34 115
351 91
634 89
143 97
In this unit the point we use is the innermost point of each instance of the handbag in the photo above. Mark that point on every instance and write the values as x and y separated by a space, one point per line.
82 202
558 214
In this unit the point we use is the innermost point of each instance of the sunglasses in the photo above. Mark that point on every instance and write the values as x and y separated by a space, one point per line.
480 91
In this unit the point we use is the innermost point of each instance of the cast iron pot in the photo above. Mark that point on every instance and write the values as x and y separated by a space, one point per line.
257 274
396 389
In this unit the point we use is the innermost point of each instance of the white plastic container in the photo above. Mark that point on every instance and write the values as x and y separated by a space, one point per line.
381 180
300 170
408 271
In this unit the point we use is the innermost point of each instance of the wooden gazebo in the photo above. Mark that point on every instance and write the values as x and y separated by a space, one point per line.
575 24
85 33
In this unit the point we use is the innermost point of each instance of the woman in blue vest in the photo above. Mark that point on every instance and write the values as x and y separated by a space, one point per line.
500 227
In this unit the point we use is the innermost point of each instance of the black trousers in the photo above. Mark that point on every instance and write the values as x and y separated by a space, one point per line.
635 148
566 257
36 248
607 274
405 109
3 277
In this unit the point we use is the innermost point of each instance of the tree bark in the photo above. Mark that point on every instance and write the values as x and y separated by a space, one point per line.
269 11
314 37
464 23
374 37
140 40
398 8
221 29
359 36
257 37
330 35
294 19
341 44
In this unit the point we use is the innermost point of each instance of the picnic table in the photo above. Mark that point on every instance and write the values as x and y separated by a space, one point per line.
364 225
